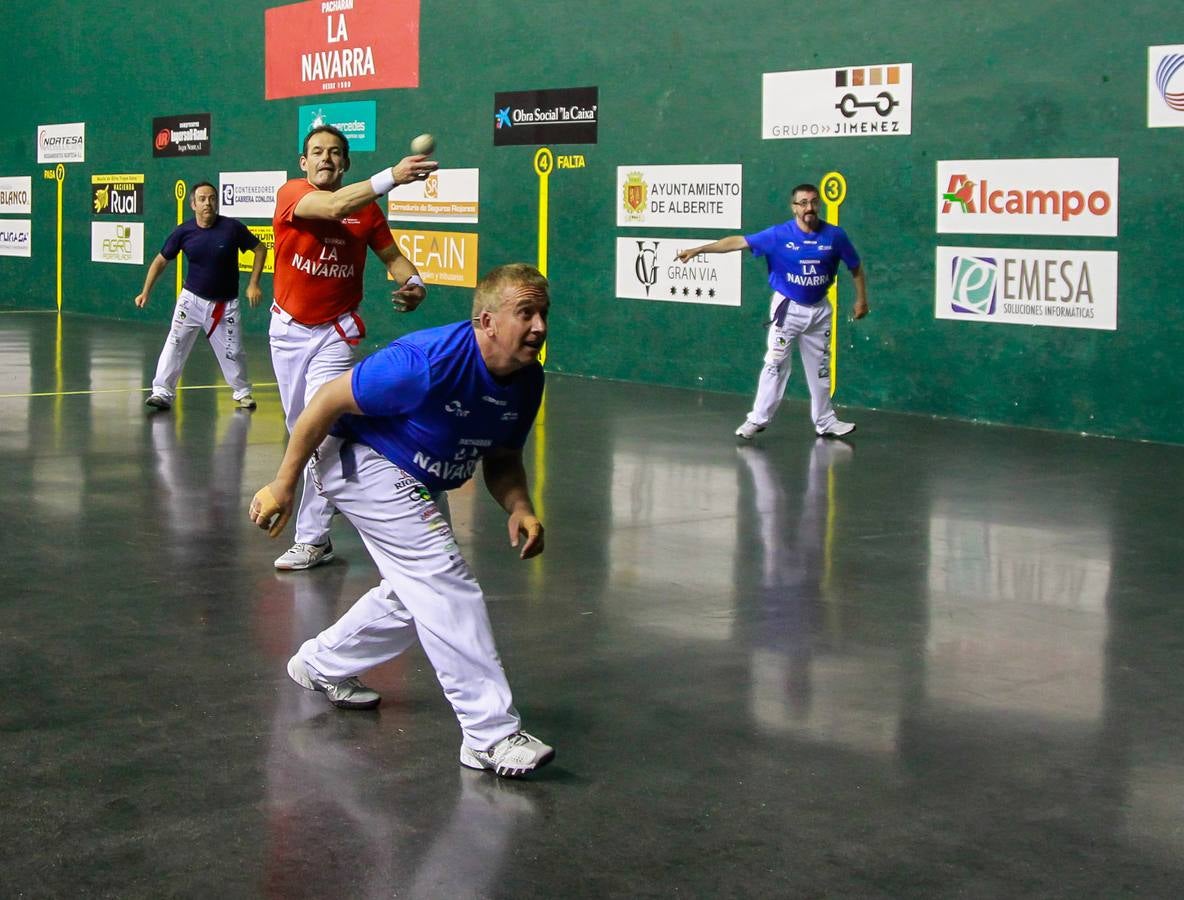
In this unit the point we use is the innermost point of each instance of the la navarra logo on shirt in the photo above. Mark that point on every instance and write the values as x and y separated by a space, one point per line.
326 267
809 277
463 463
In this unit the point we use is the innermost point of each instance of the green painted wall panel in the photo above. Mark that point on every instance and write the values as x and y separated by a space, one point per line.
680 83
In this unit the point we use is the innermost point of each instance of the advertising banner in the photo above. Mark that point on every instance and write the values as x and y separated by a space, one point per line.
857 101
553 116
679 196
1028 196
246 258
1165 86
447 195
16 195
117 195
357 120
1061 288
249 195
16 237
61 143
330 46
442 257
188 135
115 242
647 270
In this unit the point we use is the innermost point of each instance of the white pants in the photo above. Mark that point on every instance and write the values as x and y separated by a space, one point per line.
427 590
809 327
305 357
219 321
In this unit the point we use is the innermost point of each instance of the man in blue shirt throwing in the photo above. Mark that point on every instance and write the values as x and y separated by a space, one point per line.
208 302
803 256
388 438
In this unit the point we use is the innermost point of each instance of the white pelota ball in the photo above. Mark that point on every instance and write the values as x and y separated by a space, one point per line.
423 145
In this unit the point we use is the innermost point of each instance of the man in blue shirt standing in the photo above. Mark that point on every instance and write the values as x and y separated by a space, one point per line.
388 438
208 301
803 257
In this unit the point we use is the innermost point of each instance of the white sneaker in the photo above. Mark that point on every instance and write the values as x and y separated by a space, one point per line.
156 401
837 429
510 757
304 556
349 693
749 430
247 402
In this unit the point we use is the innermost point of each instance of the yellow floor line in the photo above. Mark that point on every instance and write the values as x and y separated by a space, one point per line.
188 387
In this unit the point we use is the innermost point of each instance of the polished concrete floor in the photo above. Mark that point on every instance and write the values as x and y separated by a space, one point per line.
939 660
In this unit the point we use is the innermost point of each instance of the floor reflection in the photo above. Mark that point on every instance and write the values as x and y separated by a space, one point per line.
344 803
662 501
805 678
200 499
1017 610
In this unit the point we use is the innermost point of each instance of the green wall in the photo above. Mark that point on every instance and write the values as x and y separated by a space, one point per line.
679 83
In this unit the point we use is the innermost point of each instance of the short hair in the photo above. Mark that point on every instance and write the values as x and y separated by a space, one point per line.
193 190
327 129
807 188
488 296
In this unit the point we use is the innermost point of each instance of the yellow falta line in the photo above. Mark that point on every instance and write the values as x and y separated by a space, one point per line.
544 162
188 387
833 188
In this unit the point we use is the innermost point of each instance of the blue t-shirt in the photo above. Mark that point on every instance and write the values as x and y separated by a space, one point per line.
213 255
432 408
803 264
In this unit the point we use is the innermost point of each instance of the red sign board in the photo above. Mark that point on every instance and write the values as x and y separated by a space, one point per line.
331 46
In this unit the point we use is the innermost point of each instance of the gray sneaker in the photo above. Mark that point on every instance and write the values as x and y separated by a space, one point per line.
749 430
510 757
156 401
837 429
304 556
349 693
247 402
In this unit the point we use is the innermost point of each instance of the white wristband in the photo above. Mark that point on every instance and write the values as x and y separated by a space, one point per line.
414 280
382 182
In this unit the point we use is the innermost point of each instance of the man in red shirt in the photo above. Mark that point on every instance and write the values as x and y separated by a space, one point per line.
322 231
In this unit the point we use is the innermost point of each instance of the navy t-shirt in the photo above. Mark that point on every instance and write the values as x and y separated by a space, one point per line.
802 264
213 255
432 407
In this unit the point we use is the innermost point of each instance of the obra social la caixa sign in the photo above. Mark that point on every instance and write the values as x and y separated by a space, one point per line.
1028 196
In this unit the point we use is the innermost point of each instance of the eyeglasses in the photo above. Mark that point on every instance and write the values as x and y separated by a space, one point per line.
814 202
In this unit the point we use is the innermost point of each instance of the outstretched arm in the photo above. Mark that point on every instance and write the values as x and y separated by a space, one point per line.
723 245
155 268
272 505
505 477
349 199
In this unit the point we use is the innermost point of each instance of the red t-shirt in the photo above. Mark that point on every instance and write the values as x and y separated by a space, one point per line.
318 262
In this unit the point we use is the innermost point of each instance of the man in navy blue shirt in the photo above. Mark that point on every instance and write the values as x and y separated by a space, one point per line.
388 438
803 257
208 301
